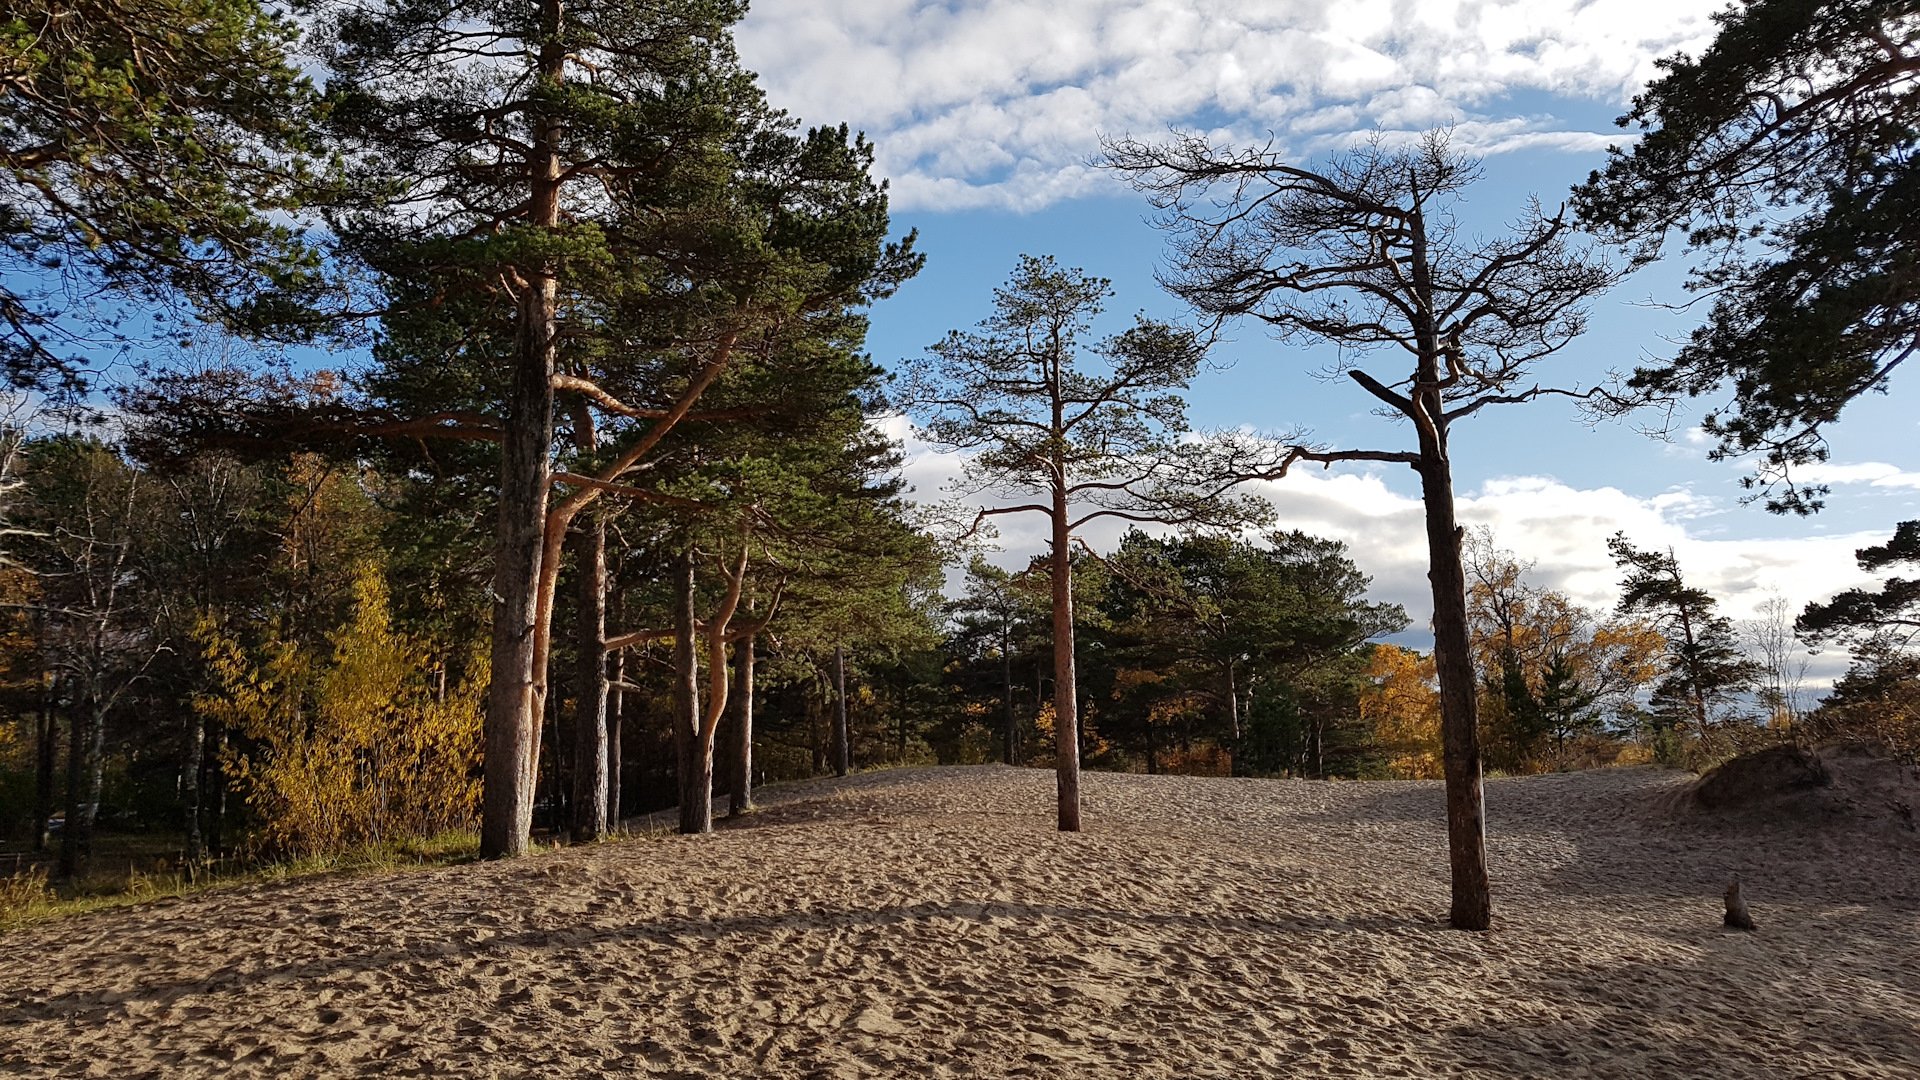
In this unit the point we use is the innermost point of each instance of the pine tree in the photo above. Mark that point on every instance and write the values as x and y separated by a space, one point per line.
1783 156
150 148
1090 433
1705 667
594 202
1363 252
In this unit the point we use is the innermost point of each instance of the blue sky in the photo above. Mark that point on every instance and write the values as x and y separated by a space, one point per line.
987 115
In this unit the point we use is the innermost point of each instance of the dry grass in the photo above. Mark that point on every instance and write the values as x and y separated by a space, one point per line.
30 897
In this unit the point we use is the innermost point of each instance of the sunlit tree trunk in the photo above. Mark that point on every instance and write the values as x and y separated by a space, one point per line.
695 768
590 785
740 755
1011 731
515 698
1066 712
1472 907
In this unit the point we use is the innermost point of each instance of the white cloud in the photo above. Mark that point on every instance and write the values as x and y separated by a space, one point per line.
1001 102
1871 473
1560 529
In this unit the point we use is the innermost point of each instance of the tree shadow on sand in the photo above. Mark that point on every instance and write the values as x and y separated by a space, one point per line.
676 933
1720 1017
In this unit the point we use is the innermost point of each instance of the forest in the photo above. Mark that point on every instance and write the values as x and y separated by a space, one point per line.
453 423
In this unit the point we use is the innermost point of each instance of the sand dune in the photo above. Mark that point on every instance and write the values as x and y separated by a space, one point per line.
931 924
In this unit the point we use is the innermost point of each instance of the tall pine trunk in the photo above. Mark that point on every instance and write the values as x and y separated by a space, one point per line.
1066 711
842 733
590 786
1426 407
692 754
1010 735
740 753
1453 661
516 694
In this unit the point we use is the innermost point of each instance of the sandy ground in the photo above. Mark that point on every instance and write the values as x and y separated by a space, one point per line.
930 924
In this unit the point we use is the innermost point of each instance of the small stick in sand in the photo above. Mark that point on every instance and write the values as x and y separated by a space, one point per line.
1737 917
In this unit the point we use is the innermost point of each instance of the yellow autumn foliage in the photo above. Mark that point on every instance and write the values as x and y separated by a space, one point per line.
1401 704
351 746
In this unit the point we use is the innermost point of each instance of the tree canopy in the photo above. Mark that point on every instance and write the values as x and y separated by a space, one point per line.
1363 251
1891 612
149 153
1783 157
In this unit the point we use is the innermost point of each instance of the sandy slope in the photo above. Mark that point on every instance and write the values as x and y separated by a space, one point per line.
930 923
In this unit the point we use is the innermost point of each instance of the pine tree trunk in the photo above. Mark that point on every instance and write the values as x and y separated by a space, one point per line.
696 791
740 756
842 734
515 697
616 723
590 786
694 763
1011 735
1453 658
725 744
1066 712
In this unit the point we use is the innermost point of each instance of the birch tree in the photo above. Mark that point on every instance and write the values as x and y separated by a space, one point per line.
85 508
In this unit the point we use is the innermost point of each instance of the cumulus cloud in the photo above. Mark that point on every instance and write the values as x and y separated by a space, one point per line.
1001 102
1560 529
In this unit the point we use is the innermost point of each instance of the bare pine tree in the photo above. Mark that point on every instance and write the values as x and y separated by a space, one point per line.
1362 251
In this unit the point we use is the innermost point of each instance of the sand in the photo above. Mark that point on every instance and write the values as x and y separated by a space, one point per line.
929 923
